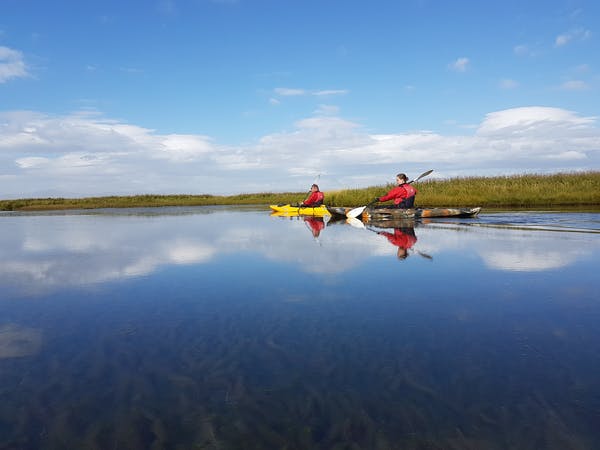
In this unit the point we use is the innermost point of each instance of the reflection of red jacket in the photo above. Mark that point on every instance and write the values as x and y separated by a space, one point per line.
401 238
315 224
399 193
315 198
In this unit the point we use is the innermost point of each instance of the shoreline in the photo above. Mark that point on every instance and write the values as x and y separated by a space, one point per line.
556 191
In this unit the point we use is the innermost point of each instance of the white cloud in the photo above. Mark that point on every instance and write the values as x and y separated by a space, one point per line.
577 34
12 65
574 85
534 121
86 154
181 147
327 110
562 39
32 162
330 92
507 83
292 92
522 50
582 68
570 155
460 65
289 92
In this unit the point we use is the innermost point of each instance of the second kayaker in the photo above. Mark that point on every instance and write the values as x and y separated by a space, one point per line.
403 195
315 198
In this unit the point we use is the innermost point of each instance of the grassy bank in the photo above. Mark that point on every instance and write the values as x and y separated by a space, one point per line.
523 191
136 201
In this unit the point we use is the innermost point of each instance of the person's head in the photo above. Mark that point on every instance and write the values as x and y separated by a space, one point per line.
401 178
314 188
402 253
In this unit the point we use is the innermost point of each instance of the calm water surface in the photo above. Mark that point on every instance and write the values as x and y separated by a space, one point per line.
222 328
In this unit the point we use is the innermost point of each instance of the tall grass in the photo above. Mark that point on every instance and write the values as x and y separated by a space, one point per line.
42 204
525 191
563 189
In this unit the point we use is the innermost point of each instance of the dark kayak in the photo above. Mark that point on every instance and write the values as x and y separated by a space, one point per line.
413 213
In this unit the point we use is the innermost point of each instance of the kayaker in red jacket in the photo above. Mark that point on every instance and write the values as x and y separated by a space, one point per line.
315 198
403 194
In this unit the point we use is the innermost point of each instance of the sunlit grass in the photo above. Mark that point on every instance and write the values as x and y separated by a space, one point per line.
566 189
524 191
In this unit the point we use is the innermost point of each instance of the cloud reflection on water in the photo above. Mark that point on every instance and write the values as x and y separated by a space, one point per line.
17 341
512 249
42 253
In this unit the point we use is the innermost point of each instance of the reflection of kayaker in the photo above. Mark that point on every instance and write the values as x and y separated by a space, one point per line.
403 238
316 224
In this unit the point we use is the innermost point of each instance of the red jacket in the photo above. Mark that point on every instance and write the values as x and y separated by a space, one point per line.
400 238
316 224
315 198
399 193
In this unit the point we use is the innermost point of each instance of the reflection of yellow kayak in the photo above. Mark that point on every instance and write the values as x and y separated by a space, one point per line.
302 211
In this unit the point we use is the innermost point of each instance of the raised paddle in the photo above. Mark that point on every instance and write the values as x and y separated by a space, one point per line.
354 213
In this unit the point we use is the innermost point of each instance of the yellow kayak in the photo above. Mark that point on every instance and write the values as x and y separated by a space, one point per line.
319 211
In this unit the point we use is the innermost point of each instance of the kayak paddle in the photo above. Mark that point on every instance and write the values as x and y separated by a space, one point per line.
354 213
354 222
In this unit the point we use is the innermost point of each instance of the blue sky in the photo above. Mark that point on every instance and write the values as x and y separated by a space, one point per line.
228 96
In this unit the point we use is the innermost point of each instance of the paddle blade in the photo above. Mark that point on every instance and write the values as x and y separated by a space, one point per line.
355 222
424 174
354 213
